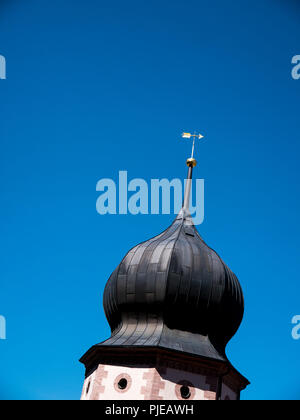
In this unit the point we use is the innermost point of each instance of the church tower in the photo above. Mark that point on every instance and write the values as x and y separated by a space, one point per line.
172 305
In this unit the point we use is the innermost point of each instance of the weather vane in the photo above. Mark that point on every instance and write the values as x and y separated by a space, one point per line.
191 160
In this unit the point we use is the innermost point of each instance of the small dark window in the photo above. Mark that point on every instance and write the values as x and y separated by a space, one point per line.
122 384
185 392
88 387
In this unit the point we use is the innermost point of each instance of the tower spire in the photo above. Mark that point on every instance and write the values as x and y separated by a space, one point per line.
172 305
191 163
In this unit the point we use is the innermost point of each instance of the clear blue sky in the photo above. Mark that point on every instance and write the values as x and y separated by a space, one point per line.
94 87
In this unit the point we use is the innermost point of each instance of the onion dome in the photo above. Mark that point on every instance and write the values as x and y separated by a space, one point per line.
174 292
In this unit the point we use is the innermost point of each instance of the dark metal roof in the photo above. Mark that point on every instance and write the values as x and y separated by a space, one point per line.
174 292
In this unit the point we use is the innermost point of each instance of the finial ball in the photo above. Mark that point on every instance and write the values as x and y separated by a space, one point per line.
191 162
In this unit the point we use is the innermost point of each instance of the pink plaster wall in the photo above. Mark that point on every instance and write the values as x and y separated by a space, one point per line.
146 383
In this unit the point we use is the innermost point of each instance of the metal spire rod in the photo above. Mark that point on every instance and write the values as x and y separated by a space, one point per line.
191 163
193 148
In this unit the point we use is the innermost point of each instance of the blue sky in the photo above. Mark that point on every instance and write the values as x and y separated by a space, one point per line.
96 87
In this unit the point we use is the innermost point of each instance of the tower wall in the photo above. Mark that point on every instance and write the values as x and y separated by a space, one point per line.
161 380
